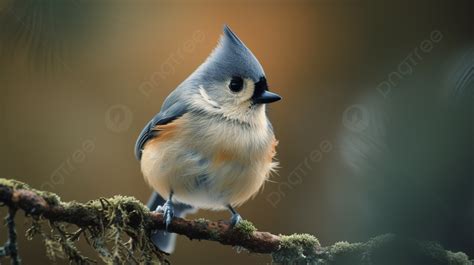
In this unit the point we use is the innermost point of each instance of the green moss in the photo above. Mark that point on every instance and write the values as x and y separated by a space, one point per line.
128 204
297 249
387 249
391 249
344 253
14 184
346 247
245 227
49 197
201 221
458 258
214 235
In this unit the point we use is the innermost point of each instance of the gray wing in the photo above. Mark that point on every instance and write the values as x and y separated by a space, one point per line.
171 110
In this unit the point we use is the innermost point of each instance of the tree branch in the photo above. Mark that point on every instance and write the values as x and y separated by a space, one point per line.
105 219
83 215
10 248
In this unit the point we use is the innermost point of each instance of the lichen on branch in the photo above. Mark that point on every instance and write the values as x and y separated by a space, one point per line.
119 230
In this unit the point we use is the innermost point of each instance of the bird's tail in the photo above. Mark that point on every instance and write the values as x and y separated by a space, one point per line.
166 241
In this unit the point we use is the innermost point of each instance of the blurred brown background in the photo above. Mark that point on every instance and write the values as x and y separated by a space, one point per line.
370 142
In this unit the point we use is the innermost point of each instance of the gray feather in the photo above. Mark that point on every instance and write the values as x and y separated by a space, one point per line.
170 112
230 58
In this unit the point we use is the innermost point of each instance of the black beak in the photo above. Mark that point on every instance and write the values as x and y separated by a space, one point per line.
266 97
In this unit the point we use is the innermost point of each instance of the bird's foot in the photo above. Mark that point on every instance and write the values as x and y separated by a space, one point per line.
235 219
168 213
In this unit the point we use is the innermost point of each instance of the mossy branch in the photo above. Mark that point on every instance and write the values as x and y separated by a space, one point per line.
104 223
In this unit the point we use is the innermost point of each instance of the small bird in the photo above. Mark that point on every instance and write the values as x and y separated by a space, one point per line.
211 146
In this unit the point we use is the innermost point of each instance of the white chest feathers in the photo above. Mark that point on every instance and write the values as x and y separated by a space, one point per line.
209 162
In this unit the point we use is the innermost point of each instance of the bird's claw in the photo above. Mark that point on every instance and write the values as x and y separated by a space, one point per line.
168 213
235 219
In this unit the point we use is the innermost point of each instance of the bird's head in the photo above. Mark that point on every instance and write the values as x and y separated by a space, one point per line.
231 82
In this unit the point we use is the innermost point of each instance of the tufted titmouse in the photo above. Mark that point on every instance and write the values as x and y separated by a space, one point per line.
211 146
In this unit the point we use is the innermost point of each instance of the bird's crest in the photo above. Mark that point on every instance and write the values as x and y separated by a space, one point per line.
231 57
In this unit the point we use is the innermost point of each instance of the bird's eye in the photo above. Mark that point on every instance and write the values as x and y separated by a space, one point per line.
236 84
